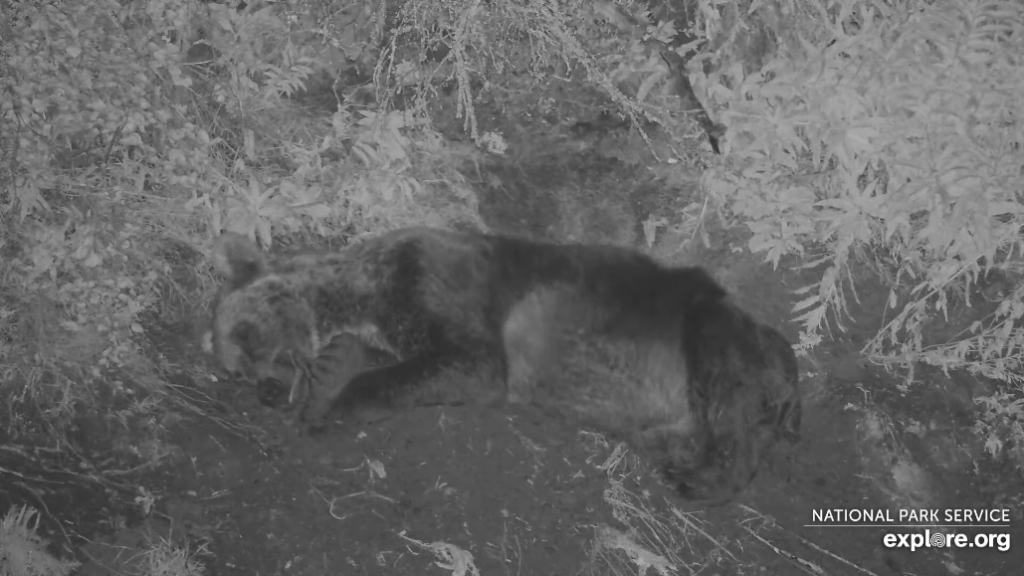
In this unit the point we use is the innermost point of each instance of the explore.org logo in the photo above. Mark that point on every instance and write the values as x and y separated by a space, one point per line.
935 528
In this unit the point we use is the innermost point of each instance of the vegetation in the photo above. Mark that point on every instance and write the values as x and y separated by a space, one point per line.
892 145
868 140
23 552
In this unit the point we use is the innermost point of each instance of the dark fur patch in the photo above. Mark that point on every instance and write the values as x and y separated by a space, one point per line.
656 355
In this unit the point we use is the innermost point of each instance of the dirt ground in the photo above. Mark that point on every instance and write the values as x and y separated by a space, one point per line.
528 495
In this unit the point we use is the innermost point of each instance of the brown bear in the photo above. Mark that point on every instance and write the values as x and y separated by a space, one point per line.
656 355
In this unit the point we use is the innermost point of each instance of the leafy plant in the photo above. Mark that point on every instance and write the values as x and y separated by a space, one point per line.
163 558
891 146
23 551
886 139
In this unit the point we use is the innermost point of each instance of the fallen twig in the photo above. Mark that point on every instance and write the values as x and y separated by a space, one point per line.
680 515
805 565
804 540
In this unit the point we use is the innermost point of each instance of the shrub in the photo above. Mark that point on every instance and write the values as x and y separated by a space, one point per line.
896 146
23 552
888 139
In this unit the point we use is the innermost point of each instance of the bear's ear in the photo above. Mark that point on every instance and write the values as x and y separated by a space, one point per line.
238 259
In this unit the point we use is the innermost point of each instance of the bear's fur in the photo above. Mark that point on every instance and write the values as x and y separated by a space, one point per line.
657 355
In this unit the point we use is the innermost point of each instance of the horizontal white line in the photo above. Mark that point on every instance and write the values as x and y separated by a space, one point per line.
906 525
